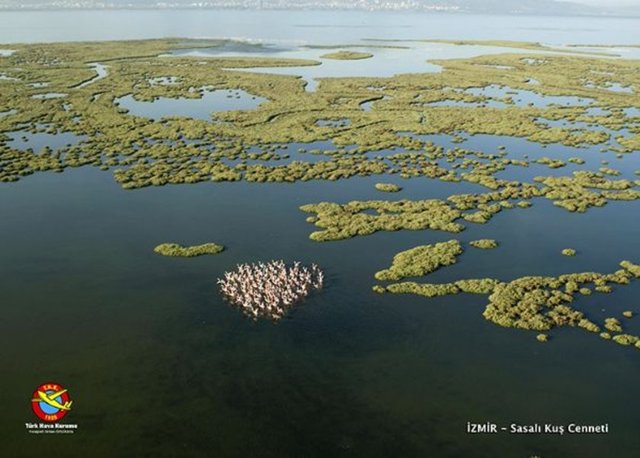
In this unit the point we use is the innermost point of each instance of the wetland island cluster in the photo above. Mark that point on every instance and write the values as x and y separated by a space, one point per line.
266 127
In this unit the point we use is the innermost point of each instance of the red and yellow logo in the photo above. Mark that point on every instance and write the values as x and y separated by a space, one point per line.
50 402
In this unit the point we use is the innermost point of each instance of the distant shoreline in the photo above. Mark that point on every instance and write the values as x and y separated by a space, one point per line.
632 15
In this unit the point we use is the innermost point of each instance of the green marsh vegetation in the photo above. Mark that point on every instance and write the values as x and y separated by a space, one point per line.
613 325
421 260
534 303
625 339
576 193
514 44
347 55
176 150
351 220
388 187
176 250
485 244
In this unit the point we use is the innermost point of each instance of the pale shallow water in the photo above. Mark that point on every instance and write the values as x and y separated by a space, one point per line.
398 58
317 27
101 73
524 98
8 113
25 140
210 102
49 95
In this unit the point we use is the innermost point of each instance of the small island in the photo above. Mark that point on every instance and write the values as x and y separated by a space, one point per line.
388 187
484 244
175 250
421 260
347 55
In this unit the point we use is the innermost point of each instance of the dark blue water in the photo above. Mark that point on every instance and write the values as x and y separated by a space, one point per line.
159 365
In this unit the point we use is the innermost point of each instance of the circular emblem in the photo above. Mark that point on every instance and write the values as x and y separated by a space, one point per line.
51 402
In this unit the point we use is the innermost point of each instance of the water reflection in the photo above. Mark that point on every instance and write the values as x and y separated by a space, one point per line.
211 101
25 140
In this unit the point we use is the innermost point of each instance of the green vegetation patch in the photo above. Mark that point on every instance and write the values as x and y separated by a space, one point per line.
350 220
485 244
347 55
613 324
523 45
181 150
421 260
533 303
174 249
388 187
575 193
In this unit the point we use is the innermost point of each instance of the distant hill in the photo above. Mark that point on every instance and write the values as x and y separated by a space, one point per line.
536 7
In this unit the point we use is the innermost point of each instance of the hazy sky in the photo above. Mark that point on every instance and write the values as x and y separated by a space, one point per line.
610 2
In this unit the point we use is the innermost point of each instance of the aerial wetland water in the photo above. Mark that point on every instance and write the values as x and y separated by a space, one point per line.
476 237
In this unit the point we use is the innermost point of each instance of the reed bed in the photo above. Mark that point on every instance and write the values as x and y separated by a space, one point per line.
536 303
388 187
347 55
142 152
484 244
176 250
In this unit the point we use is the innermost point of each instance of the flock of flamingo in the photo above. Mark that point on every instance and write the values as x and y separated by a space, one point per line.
269 290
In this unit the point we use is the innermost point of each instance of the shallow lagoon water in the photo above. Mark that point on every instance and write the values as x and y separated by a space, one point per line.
617 87
4 77
597 111
632 112
8 113
518 148
613 87
385 62
368 106
25 140
211 101
462 103
159 365
523 98
388 58
342 122
101 73
49 95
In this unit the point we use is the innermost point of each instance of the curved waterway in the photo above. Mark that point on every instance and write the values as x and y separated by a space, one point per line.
101 72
